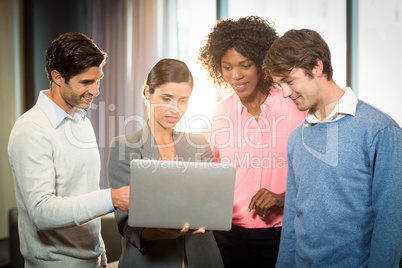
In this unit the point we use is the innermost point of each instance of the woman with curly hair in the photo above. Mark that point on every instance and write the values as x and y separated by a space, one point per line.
250 129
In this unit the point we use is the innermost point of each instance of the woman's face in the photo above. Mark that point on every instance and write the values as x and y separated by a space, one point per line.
240 72
168 103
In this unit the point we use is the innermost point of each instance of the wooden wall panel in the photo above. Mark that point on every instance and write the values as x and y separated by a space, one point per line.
7 108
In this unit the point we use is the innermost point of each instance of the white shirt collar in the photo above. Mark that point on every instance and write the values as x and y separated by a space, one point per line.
345 106
53 112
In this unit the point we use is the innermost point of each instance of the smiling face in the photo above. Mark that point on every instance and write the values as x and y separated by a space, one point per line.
168 103
240 72
301 88
78 92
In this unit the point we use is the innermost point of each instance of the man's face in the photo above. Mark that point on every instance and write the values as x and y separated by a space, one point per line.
301 88
80 89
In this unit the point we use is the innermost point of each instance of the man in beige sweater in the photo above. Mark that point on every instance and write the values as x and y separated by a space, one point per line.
56 165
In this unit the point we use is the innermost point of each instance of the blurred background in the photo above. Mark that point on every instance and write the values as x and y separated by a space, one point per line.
364 36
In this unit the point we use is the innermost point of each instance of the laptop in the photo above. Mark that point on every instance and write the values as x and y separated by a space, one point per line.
170 194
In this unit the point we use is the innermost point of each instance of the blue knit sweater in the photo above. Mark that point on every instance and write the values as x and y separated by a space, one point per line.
344 193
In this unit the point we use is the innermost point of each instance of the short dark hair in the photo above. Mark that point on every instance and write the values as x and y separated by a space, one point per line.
167 71
72 53
250 36
298 49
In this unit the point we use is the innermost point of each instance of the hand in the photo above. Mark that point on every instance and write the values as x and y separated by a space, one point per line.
151 234
121 197
175 233
264 200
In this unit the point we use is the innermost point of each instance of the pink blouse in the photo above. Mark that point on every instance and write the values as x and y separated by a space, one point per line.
257 148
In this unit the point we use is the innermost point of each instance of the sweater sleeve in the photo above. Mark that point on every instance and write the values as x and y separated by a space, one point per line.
287 248
119 175
31 154
386 155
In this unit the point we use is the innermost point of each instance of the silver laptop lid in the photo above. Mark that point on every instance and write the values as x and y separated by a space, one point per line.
169 194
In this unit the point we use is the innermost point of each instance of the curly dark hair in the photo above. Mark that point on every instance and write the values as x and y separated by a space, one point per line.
250 36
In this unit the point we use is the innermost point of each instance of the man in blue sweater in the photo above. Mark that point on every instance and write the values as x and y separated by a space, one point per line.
344 186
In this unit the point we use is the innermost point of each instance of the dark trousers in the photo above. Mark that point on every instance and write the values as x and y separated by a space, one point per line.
244 247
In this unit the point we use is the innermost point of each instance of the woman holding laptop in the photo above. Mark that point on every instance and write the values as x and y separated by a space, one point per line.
167 90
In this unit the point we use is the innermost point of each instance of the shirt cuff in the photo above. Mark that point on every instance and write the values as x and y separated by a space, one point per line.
104 259
107 194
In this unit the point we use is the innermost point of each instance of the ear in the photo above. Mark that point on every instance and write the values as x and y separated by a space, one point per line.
57 78
318 68
146 92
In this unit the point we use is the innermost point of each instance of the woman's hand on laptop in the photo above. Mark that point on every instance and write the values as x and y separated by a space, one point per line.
149 234
175 233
